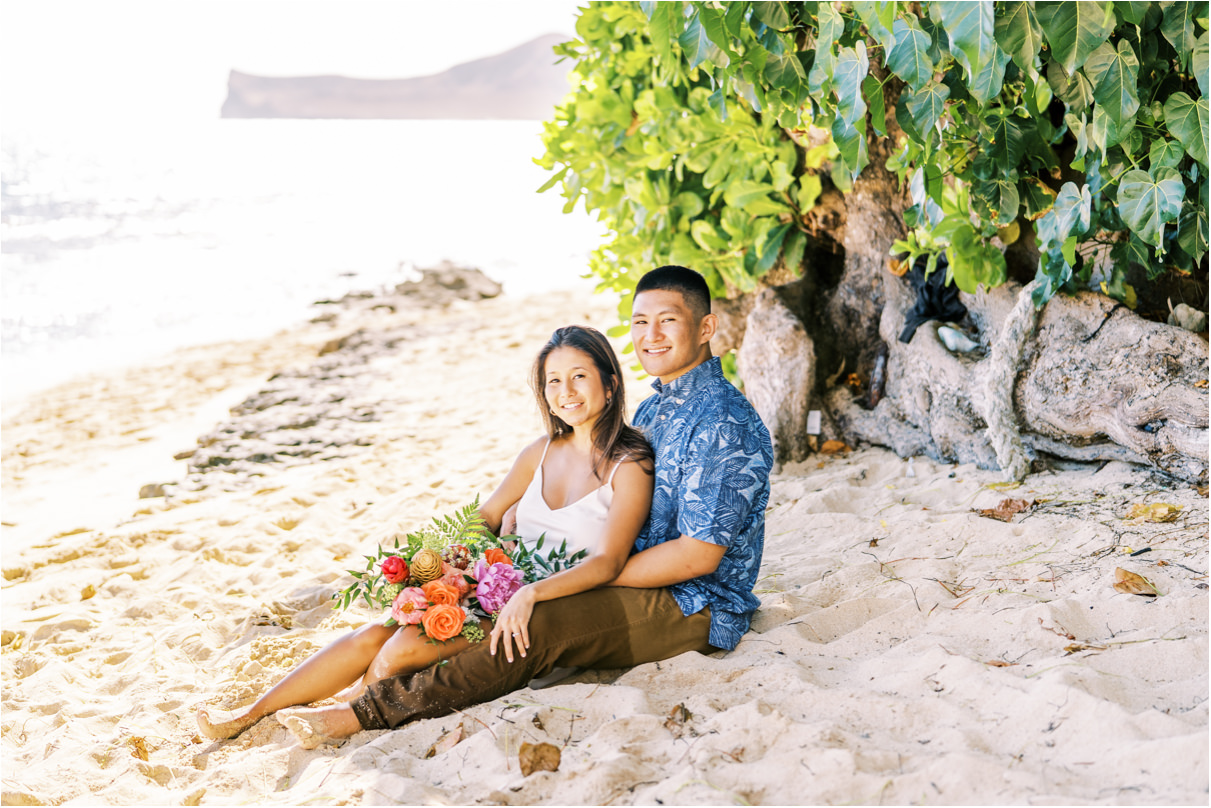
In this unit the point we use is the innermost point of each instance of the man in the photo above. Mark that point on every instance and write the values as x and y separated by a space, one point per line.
687 586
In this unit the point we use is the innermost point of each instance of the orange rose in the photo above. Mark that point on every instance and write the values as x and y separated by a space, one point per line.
443 621
439 592
495 554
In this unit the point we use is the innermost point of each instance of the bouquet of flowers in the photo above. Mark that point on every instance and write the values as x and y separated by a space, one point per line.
448 572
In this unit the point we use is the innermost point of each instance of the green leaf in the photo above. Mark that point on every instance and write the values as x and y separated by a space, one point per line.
1074 30
698 46
1198 63
1132 11
1018 33
1146 205
877 17
1114 74
1006 145
770 243
720 167
974 262
1187 120
971 27
733 17
705 235
852 66
831 26
662 19
927 105
774 15
851 141
739 194
1192 232
1178 27
793 249
810 187
909 57
784 71
1165 153
689 204
1074 90
1072 208
873 91
997 200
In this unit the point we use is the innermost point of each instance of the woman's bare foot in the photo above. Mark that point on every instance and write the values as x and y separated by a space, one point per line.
237 722
319 725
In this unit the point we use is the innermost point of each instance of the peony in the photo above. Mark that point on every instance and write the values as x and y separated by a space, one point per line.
409 606
395 569
495 555
426 565
443 621
441 593
497 583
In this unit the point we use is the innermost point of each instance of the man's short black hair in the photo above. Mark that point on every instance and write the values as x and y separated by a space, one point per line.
673 278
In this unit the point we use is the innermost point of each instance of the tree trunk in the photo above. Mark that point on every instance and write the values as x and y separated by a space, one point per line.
1097 382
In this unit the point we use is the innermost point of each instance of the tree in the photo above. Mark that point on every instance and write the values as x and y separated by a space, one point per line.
811 147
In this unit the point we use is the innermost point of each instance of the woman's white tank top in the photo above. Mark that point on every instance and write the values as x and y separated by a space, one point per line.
581 523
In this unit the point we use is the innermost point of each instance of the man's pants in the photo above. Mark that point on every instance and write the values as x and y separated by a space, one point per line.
603 628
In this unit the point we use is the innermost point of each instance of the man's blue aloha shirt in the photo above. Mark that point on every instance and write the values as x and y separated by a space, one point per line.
713 458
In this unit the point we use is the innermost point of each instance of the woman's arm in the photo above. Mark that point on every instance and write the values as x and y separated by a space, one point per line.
628 510
513 486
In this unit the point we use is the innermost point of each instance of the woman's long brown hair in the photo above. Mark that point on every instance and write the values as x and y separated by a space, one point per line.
613 438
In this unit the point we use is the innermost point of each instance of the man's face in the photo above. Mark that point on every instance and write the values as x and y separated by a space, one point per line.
668 338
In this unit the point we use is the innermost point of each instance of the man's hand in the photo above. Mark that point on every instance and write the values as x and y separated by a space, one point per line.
670 562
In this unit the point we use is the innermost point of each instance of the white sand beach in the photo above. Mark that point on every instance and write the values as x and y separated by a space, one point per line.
908 649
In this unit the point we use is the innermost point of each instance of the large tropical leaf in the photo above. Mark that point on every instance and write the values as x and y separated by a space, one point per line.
1165 153
997 200
1187 120
927 105
971 27
1178 27
1018 32
1074 30
1198 63
909 57
1192 232
1146 204
1005 142
1114 75
878 18
698 46
851 69
662 18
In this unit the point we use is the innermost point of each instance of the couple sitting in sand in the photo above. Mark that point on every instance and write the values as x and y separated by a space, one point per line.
671 512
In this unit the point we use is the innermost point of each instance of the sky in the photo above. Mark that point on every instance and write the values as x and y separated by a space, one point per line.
64 61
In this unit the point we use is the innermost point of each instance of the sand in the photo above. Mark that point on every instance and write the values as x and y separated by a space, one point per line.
908 649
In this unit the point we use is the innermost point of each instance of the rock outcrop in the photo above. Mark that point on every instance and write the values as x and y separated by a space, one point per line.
522 83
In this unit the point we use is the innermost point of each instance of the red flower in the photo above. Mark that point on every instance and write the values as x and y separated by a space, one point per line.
395 569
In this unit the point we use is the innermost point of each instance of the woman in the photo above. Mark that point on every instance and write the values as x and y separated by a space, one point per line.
587 481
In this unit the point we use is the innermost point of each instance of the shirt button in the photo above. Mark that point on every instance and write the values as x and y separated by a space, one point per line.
662 418
679 401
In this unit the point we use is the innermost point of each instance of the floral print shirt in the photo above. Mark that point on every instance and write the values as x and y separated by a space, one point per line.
713 459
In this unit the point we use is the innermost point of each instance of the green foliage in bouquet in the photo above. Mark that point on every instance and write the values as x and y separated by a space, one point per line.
535 565
464 528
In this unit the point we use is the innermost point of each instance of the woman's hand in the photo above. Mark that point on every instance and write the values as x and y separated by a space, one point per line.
513 623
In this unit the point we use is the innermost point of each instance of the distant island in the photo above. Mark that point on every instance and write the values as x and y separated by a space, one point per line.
523 83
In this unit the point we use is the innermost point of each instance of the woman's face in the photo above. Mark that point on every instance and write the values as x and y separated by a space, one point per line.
573 387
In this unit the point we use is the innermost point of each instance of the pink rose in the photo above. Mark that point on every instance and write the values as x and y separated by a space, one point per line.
395 569
409 606
456 578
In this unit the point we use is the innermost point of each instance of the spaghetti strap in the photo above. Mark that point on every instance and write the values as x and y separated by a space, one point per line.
544 453
610 479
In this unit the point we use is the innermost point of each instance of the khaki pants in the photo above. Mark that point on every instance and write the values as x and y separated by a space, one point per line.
602 628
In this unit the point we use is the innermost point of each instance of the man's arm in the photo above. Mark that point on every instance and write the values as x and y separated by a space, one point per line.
670 562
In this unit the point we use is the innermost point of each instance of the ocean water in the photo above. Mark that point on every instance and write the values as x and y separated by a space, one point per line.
119 244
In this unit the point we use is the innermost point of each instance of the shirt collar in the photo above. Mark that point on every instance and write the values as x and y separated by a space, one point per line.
689 383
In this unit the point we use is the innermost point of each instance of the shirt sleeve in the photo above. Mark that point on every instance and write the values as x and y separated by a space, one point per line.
724 472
